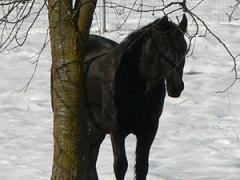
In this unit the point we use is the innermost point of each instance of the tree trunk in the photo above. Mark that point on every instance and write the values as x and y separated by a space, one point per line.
69 29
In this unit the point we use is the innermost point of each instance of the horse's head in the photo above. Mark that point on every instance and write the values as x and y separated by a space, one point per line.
163 54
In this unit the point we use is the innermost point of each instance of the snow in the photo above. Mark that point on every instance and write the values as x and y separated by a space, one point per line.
198 136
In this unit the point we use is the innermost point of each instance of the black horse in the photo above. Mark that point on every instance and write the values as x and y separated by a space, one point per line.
125 88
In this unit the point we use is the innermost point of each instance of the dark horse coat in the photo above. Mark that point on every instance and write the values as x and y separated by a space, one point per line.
114 88
118 99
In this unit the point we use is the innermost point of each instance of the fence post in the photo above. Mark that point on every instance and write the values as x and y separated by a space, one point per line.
102 16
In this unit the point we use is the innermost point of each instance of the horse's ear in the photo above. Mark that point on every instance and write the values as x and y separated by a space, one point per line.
183 24
164 19
163 22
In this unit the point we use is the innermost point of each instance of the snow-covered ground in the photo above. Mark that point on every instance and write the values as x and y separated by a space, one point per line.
198 136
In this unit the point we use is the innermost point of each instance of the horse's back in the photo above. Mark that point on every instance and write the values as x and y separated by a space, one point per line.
98 46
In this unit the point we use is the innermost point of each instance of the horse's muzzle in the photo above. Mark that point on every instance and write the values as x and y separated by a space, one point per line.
175 92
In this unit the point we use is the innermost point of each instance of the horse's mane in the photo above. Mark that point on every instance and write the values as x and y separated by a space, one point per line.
139 34
134 37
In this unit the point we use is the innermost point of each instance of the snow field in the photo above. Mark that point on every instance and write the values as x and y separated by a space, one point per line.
198 136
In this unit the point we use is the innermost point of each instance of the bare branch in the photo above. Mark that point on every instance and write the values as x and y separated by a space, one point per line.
37 58
197 22
16 20
15 14
13 2
234 8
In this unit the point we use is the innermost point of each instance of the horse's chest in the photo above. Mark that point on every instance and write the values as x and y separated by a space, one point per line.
137 108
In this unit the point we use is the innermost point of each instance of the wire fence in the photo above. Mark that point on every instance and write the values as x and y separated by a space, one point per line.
131 14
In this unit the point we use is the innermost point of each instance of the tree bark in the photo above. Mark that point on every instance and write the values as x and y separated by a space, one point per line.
69 29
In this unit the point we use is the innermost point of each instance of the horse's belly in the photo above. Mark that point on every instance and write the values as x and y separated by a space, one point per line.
100 105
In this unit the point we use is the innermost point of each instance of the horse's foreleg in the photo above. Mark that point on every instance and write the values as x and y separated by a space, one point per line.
95 142
120 159
144 142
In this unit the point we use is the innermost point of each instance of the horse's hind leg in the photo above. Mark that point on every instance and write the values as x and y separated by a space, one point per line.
120 159
95 142
144 142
